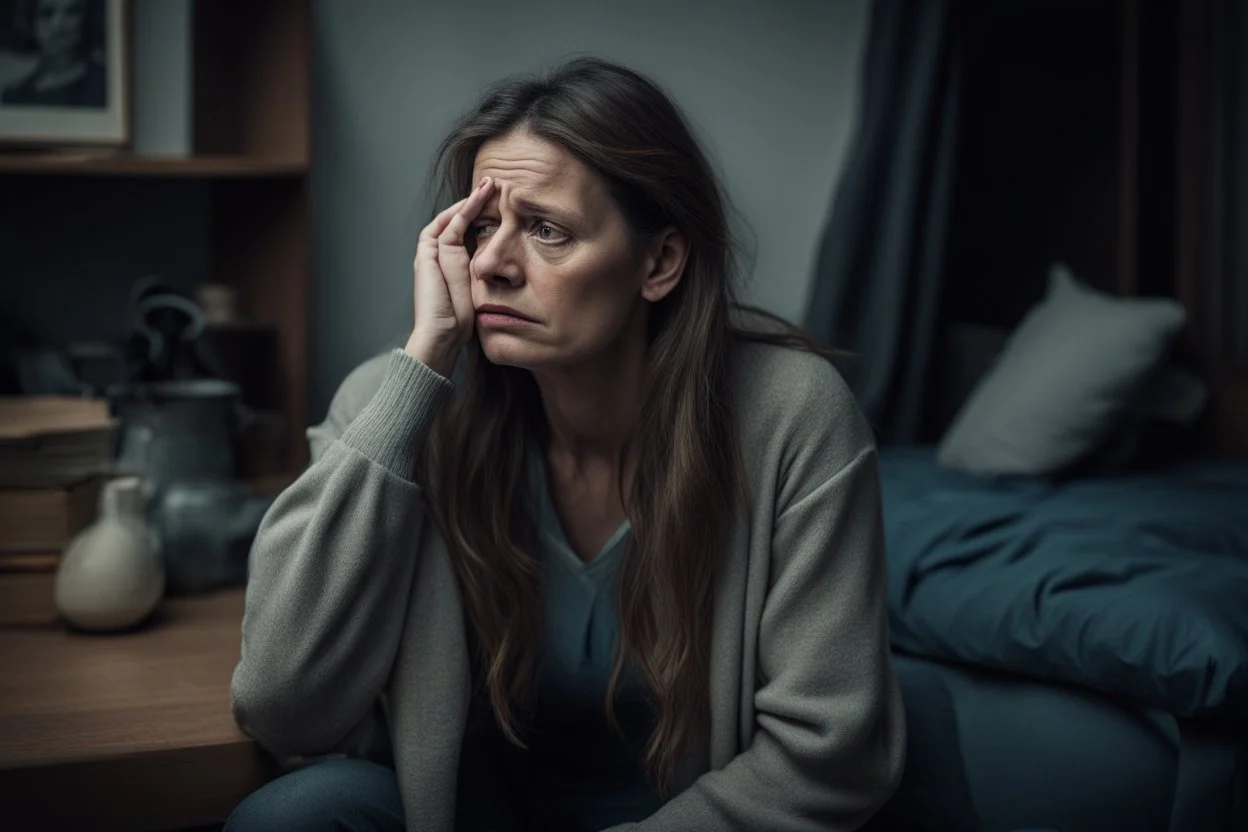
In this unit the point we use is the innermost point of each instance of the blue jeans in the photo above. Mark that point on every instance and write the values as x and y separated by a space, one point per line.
349 794
337 794
360 796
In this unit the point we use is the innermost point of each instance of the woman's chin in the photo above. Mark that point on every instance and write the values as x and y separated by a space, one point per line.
509 352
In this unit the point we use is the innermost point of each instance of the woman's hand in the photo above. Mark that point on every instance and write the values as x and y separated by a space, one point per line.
442 294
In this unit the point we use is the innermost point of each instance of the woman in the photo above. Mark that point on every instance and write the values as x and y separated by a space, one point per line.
630 573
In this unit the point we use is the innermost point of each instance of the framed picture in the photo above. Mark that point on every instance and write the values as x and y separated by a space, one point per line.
64 72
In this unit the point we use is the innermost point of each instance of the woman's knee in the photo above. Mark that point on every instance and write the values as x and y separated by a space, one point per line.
336 794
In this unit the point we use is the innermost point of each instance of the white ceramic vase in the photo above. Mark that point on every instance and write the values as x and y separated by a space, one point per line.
112 575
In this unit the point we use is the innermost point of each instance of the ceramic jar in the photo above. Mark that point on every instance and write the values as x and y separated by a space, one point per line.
112 574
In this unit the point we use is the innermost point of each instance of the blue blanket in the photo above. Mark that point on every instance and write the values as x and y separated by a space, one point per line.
1134 585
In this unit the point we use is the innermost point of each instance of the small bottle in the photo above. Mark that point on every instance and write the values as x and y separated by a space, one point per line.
112 575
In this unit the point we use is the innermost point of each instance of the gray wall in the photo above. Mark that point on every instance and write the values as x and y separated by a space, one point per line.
770 86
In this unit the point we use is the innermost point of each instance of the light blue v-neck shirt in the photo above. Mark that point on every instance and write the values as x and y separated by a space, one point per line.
578 774
582 624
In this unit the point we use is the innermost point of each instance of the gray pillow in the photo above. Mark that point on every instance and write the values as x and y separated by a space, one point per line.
1069 372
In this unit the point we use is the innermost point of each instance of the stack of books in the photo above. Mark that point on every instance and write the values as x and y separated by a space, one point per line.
54 456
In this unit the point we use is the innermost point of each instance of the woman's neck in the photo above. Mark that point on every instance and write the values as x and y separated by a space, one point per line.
592 408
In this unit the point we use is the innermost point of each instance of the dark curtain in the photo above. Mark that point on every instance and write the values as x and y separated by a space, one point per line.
879 270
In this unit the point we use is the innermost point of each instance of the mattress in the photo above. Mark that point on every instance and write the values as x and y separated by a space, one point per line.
1134 585
989 752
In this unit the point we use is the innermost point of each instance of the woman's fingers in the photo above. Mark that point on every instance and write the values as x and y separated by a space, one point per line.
442 297
457 226
429 234
459 215
453 255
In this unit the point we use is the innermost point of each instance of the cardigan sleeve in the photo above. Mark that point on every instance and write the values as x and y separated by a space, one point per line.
332 565
828 746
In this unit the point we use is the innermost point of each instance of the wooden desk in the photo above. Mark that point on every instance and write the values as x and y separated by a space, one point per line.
128 731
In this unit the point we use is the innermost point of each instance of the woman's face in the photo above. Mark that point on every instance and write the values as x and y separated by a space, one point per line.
552 245
58 27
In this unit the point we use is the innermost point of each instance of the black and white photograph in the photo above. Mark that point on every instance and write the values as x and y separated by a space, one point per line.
62 72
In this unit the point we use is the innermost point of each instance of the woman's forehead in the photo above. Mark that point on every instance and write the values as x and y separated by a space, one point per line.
530 168
522 157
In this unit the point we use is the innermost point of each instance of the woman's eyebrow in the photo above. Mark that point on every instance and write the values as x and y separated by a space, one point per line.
531 207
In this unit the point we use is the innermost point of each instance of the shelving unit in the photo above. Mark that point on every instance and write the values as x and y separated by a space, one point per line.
126 164
250 131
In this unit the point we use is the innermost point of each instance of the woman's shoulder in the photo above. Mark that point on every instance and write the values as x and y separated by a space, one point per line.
354 392
795 401
782 380
363 382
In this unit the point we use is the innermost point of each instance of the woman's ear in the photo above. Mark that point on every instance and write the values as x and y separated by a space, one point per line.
665 261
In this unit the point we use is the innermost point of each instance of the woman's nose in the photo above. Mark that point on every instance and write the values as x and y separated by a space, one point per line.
495 260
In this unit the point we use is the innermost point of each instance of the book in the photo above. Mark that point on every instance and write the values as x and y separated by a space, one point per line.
26 417
53 440
46 519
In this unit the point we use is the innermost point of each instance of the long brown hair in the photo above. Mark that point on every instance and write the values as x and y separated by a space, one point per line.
687 477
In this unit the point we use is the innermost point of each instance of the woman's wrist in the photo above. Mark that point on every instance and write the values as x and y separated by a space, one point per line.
439 357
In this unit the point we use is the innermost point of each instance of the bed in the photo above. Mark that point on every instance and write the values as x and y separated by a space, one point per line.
1073 648
1073 654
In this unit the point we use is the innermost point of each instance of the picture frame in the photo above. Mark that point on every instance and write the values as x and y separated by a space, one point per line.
65 73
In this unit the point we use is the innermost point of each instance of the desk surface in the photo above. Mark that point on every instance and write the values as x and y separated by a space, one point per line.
128 731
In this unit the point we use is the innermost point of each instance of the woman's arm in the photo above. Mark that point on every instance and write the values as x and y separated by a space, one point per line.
332 565
829 742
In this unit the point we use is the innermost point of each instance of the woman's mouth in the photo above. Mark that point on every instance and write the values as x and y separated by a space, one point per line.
501 316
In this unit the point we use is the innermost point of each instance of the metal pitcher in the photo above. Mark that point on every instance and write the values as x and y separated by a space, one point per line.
180 430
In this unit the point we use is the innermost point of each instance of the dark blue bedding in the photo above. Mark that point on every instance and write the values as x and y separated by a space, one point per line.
1134 585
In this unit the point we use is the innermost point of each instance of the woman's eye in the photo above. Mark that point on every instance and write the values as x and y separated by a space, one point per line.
482 230
554 235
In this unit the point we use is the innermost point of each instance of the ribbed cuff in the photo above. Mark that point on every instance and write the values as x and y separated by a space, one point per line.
391 428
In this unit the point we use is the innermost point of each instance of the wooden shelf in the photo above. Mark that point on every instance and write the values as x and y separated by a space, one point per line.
247 213
115 164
